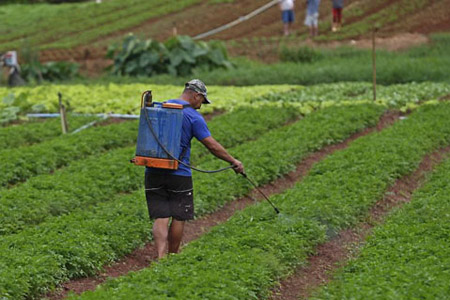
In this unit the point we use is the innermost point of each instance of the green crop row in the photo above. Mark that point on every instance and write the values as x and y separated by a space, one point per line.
244 124
400 96
87 21
22 163
245 257
100 177
19 164
126 98
407 257
35 132
80 243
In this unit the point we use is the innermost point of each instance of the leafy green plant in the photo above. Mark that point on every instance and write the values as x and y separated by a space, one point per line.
179 55
87 179
34 131
125 98
232 263
87 239
21 163
50 71
407 257
301 54
14 106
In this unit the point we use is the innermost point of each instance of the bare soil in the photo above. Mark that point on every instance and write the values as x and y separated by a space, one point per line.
411 30
142 257
336 252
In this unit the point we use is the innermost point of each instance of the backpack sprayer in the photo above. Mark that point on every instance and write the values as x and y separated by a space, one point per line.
159 138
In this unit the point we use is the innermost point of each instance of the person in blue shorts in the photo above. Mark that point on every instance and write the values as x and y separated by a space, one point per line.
169 193
287 14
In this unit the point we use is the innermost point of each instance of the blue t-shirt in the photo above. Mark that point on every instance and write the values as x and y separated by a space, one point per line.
313 7
338 3
193 126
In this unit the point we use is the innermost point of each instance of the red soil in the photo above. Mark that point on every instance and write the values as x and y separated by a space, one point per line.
412 28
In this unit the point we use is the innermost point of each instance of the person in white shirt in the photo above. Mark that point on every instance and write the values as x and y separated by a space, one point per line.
287 14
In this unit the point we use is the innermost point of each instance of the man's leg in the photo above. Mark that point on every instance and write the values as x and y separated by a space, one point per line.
160 235
175 235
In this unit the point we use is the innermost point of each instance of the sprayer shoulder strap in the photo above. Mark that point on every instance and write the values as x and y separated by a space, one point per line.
183 152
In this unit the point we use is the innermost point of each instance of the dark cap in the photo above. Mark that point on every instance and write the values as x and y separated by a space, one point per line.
198 86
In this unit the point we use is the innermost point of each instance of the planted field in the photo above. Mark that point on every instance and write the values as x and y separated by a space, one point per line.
407 257
120 235
36 132
92 180
69 25
230 262
71 205
125 98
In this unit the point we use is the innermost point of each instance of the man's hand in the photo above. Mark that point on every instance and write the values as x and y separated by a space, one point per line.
238 167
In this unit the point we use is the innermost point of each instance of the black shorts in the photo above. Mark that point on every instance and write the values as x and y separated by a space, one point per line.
169 196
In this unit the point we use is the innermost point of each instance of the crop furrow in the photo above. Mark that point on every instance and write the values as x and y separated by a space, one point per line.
98 178
19 164
142 256
407 257
81 243
336 252
36 132
245 257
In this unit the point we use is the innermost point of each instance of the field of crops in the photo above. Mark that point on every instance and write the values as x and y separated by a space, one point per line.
72 204
85 22
346 192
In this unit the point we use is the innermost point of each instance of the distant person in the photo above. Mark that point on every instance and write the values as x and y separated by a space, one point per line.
287 14
312 17
9 60
338 5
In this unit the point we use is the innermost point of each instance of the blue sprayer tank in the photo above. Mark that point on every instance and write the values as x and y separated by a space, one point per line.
166 119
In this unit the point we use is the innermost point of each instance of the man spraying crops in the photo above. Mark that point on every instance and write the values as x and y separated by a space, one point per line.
169 193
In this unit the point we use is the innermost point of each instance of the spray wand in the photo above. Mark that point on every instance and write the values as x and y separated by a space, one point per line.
256 187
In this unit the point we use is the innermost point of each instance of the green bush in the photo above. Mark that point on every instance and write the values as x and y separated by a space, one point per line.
177 56
301 55
50 71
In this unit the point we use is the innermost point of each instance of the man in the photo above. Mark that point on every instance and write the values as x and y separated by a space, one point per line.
169 193
287 14
312 17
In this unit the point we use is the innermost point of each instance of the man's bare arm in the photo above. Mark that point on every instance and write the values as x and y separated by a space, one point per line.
219 151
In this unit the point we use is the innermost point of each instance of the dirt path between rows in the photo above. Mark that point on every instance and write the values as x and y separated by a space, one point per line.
142 257
336 252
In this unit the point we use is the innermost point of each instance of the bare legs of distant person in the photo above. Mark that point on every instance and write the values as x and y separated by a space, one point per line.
167 236
313 31
286 29
337 19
